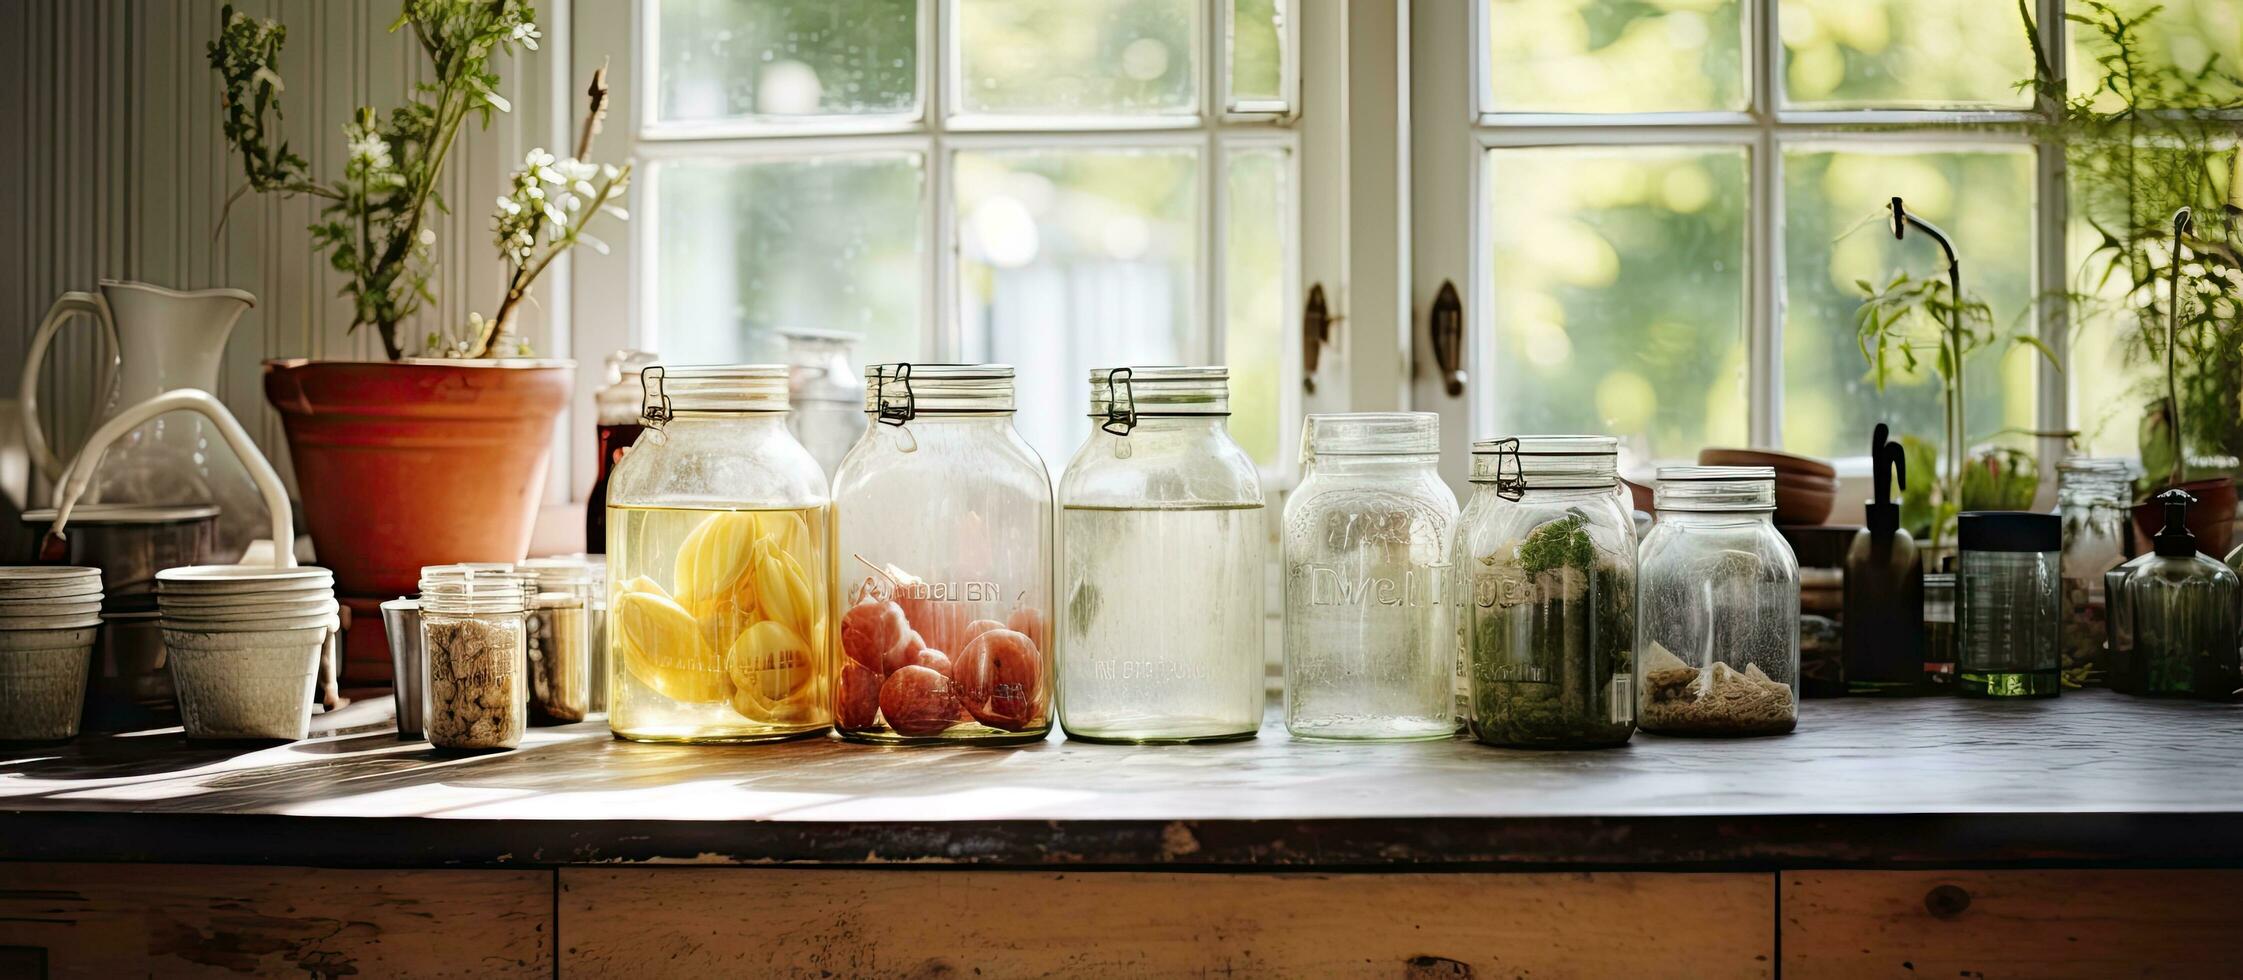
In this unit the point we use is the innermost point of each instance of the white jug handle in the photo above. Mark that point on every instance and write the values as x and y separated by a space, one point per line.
27 390
72 483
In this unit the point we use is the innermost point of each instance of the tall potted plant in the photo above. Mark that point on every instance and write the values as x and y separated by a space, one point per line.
439 454
2140 150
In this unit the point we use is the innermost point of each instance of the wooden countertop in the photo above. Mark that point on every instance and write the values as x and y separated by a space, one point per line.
2093 778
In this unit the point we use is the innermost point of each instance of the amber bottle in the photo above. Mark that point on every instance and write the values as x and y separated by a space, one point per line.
1884 619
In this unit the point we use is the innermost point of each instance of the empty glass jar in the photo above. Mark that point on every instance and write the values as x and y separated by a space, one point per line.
719 565
1717 624
2007 604
945 514
1161 543
2092 494
1370 639
567 631
1546 589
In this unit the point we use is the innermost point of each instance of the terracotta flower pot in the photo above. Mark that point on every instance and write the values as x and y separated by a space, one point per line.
419 462
2211 518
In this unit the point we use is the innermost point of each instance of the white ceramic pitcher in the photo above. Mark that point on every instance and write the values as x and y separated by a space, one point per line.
165 339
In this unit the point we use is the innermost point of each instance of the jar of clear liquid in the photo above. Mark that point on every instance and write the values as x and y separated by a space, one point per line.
1160 577
1370 636
1717 623
2092 497
720 566
2008 598
945 515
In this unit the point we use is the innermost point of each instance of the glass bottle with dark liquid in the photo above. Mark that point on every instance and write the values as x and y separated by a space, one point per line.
1884 648
616 406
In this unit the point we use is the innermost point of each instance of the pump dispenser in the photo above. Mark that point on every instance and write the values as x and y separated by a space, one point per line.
2184 608
1884 587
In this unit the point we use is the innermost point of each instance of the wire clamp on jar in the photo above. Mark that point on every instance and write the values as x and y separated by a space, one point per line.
655 409
1510 472
1120 420
894 413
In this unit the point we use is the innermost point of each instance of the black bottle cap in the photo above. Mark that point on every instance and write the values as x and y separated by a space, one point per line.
1888 468
2009 530
2174 539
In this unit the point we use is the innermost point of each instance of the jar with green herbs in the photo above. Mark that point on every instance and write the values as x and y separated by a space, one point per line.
1549 556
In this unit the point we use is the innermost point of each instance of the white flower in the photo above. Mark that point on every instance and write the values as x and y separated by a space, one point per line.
527 34
267 76
428 236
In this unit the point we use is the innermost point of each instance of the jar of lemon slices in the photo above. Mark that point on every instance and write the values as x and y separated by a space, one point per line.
720 565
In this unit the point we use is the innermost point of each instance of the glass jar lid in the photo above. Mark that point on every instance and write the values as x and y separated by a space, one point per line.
897 393
1120 396
2008 530
564 571
1517 464
1716 488
712 388
477 587
1371 434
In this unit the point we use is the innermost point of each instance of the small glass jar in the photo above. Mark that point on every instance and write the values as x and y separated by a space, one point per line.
2092 496
2184 606
1717 625
946 514
2008 599
1370 637
1547 594
719 566
1939 632
1161 554
566 605
828 415
473 633
615 412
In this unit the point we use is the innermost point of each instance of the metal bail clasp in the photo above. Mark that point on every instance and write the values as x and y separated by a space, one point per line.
1119 388
894 413
1510 471
655 406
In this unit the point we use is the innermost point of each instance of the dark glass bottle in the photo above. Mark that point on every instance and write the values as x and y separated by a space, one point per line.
1884 618
616 409
2183 609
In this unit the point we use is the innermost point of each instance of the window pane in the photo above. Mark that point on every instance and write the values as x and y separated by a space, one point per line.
1257 51
1070 260
1077 57
1904 53
748 248
1619 295
1258 183
1616 55
2182 37
2119 326
778 59
1983 200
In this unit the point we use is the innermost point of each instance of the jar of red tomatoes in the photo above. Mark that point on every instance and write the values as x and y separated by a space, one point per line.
943 523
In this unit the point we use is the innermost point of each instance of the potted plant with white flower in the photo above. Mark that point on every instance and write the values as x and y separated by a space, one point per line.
439 454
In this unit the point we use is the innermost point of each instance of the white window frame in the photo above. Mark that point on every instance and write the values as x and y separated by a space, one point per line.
1450 76
613 301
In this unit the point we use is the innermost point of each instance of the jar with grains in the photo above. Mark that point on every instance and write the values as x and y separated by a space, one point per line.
719 566
1717 624
1371 647
1161 543
473 632
945 515
1547 593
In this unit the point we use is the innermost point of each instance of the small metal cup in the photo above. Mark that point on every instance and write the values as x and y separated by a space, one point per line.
401 618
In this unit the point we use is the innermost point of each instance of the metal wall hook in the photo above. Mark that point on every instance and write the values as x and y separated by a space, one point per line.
1446 324
654 406
1316 331
896 412
1119 387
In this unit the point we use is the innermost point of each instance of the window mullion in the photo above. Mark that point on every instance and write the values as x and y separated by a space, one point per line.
2051 216
941 332
1764 323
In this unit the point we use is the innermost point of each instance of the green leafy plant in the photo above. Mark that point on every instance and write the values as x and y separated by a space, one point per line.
374 224
1910 321
2140 144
